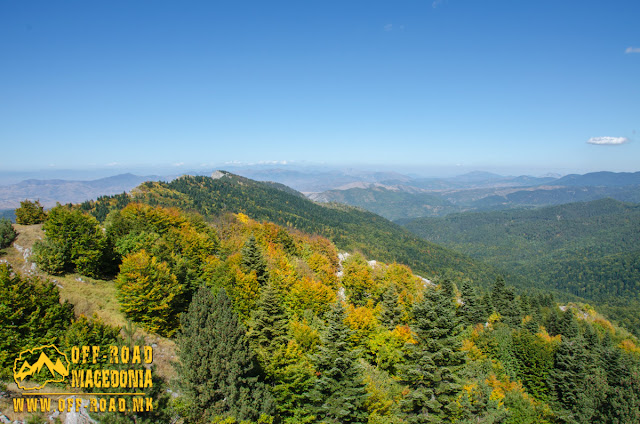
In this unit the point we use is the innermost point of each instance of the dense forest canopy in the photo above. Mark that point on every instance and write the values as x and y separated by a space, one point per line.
277 325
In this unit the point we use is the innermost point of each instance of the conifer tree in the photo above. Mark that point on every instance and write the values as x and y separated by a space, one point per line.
268 324
339 392
577 384
568 326
503 299
391 310
218 371
252 260
472 310
434 361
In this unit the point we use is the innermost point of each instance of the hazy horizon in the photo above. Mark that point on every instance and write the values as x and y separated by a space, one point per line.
513 86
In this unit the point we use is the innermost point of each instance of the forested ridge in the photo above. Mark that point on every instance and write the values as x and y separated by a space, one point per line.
586 249
349 228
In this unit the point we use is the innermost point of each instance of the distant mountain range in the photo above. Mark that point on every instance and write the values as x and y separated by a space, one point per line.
67 191
389 194
481 191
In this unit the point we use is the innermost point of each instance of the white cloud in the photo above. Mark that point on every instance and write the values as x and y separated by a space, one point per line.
113 164
608 141
632 50
388 27
436 3
178 164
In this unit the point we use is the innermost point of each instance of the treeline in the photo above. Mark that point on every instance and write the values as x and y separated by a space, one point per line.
272 325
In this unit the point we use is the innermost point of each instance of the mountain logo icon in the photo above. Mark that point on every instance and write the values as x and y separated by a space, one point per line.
40 365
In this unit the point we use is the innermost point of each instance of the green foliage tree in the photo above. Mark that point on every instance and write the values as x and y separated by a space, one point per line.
30 314
578 385
268 326
338 395
74 242
218 371
391 315
434 361
503 299
534 362
30 213
7 233
149 293
252 260
473 311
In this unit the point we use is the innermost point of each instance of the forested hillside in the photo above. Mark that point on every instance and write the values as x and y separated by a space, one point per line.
347 227
587 249
274 326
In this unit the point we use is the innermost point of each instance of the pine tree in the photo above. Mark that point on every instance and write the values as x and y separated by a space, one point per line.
434 361
503 299
268 326
219 373
568 325
472 310
577 384
391 310
252 260
339 393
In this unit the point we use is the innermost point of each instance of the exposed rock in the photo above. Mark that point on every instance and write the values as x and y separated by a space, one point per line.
81 417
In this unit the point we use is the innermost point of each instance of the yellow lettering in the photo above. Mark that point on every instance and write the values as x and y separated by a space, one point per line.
96 353
93 407
45 404
61 405
135 358
133 380
77 378
85 354
75 354
148 380
138 404
105 379
124 354
88 379
123 379
113 354
149 404
32 404
112 405
121 405
78 404
103 405
148 354
18 404
97 378
115 381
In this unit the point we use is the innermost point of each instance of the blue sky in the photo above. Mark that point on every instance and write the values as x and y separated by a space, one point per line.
479 84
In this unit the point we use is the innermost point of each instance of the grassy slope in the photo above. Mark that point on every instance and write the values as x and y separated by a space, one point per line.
88 296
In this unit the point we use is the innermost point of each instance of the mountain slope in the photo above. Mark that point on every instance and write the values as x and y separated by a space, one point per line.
587 249
347 227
